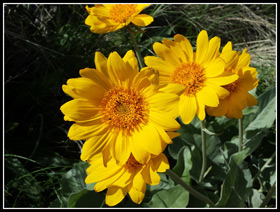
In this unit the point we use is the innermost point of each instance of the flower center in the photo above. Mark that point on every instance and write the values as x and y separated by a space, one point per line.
131 163
121 12
231 87
124 109
191 75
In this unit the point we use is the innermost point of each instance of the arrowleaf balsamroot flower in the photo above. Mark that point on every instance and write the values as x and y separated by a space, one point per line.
119 110
239 98
130 177
201 72
104 18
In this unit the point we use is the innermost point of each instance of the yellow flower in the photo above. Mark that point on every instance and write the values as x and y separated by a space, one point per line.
201 72
119 110
239 97
104 18
130 178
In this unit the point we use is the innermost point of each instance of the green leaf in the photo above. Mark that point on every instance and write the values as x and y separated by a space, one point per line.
73 181
175 197
24 180
86 198
266 114
229 149
74 197
184 164
253 141
256 198
175 147
196 163
164 184
60 202
237 185
187 132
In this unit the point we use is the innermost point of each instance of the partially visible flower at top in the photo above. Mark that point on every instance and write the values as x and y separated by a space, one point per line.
239 98
201 72
119 110
104 18
130 178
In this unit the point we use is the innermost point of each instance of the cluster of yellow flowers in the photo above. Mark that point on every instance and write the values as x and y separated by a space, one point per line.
128 117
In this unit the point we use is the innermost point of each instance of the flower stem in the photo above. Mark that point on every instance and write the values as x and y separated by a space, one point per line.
264 166
268 196
203 149
192 191
240 125
137 51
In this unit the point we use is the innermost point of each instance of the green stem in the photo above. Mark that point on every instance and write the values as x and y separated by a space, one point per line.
192 191
264 166
137 51
203 149
268 196
240 125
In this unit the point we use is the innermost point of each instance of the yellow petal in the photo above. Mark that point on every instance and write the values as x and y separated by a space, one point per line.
120 148
227 47
90 20
86 130
244 60
165 138
115 195
101 63
230 58
166 54
248 81
98 172
147 88
221 110
208 96
83 88
200 110
131 60
124 180
216 68
202 44
80 110
233 112
142 20
94 145
118 70
137 189
213 49
147 72
220 91
238 98
141 7
185 46
187 108
99 78
251 100
108 182
173 134
160 163
150 140
139 153
223 80
106 154
164 121
164 101
159 64
100 11
150 175
173 88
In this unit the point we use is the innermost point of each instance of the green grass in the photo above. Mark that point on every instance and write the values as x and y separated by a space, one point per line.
45 45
